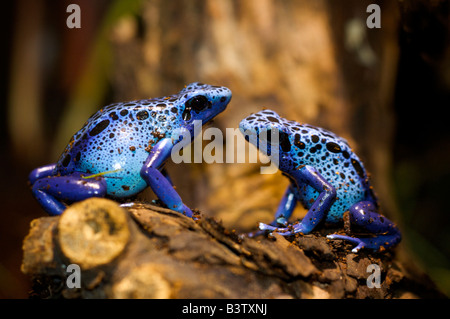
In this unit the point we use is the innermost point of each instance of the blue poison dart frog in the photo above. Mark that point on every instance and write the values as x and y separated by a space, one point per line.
122 149
327 178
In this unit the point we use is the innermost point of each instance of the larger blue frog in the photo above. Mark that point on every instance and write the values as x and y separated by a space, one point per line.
122 148
326 177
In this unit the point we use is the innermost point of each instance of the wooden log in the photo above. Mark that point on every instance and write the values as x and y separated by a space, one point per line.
93 232
145 251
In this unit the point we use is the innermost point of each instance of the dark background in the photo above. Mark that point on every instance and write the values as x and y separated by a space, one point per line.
421 139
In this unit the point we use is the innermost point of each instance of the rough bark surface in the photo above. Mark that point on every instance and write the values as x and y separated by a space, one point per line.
145 251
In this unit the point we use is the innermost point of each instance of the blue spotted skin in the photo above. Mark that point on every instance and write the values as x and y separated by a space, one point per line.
327 178
121 149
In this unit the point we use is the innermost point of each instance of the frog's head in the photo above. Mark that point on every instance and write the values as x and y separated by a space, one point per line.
202 102
265 130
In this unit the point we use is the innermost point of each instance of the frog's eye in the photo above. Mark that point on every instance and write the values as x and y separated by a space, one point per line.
197 103
285 144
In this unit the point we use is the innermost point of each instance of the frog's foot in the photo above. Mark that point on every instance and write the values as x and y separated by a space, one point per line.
252 234
183 209
178 207
385 234
127 204
377 243
281 221
359 242
265 227
283 231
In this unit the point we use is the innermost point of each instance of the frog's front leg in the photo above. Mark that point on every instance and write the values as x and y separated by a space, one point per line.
161 186
52 191
364 214
308 175
166 175
285 208
284 211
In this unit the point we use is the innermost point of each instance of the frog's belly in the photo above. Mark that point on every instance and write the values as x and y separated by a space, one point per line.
130 185
121 172
345 198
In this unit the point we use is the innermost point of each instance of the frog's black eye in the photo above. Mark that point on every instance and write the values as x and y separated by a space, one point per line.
285 144
197 103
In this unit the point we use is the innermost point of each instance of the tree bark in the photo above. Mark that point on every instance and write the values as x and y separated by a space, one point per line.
146 251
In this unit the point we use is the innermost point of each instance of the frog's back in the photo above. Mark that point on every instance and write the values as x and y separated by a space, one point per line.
116 140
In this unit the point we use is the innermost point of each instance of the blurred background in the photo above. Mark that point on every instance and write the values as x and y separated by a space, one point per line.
386 90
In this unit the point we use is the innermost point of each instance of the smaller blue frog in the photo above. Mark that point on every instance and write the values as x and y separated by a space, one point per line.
123 147
327 178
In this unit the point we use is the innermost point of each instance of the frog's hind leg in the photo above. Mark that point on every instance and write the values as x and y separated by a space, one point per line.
41 172
51 191
364 214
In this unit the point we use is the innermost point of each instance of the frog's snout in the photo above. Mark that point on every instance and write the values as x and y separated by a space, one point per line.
220 101
249 131
225 96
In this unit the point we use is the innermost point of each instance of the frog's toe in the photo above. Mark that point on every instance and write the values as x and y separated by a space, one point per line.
359 243
253 234
282 221
183 209
357 248
263 226
288 231
127 204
